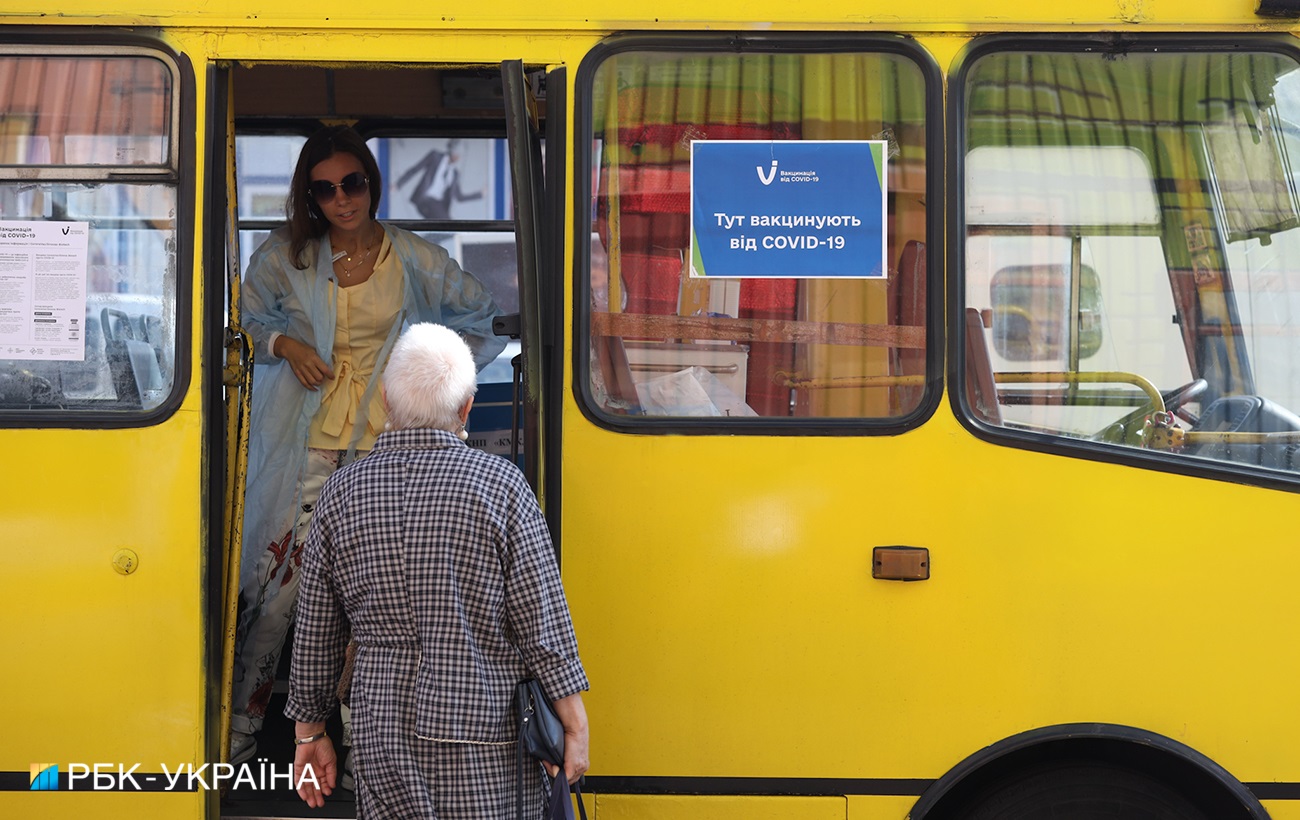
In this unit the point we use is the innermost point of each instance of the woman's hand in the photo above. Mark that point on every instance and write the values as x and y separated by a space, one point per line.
320 756
576 741
310 369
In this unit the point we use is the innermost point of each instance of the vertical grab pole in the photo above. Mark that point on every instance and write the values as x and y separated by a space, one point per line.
238 380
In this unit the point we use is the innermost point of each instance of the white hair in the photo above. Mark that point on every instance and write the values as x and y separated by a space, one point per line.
429 378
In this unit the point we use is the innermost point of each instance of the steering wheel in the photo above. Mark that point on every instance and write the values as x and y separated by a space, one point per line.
1125 430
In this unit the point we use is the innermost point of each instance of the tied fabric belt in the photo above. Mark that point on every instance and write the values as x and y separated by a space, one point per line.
340 407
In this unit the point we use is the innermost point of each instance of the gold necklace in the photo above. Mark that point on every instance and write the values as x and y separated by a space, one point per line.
348 271
348 258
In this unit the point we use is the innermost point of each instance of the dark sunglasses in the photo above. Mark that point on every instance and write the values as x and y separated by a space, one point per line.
322 190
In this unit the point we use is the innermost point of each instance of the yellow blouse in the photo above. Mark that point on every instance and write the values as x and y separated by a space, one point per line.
366 313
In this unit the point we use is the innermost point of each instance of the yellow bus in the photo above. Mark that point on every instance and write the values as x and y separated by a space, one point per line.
944 467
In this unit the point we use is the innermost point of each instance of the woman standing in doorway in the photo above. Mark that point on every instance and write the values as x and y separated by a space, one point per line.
325 299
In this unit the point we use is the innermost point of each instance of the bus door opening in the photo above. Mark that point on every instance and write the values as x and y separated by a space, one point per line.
438 137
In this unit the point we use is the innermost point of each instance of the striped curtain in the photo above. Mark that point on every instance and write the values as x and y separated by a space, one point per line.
1058 99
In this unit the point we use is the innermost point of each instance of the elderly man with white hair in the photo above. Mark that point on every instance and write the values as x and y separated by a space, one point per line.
438 559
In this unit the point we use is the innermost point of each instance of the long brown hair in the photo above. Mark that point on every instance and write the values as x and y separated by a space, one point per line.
306 220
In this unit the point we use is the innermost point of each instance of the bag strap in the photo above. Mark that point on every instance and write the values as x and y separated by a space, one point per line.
559 782
577 792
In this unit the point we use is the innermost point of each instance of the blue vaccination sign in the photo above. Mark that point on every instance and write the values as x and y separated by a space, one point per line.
788 208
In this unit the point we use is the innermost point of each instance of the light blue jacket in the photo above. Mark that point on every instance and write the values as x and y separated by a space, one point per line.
302 304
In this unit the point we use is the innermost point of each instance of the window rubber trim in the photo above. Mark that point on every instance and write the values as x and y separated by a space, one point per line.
101 42
1104 43
765 43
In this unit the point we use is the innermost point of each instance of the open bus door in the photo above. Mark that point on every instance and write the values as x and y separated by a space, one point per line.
237 381
540 254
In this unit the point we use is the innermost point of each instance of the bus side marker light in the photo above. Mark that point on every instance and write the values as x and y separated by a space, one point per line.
900 563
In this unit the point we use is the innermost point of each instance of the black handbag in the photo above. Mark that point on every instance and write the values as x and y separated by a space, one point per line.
541 736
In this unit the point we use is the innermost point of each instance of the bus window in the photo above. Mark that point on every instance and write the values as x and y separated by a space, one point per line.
1265 275
1127 255
1030 316
88 257
264 165
665 344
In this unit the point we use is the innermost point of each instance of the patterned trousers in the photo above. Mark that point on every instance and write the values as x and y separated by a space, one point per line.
269 606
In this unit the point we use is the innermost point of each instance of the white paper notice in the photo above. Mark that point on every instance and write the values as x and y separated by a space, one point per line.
43 290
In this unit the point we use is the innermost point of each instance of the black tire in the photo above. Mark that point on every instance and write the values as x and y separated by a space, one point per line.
1080 790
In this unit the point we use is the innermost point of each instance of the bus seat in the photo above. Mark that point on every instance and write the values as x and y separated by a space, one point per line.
907 304
144 365
84 377
907 288
133 363
620 387
153 334
981 391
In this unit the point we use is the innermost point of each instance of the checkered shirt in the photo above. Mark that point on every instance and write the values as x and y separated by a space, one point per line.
435 555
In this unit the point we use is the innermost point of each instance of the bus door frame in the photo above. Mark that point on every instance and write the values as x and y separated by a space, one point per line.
230 396
539 241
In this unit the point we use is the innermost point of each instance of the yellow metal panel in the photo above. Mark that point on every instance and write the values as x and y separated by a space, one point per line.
879 808
1282 809
102 667
381 48
640 807
705 604
101 806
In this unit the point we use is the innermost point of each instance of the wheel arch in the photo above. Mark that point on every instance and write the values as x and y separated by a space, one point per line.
1175 764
